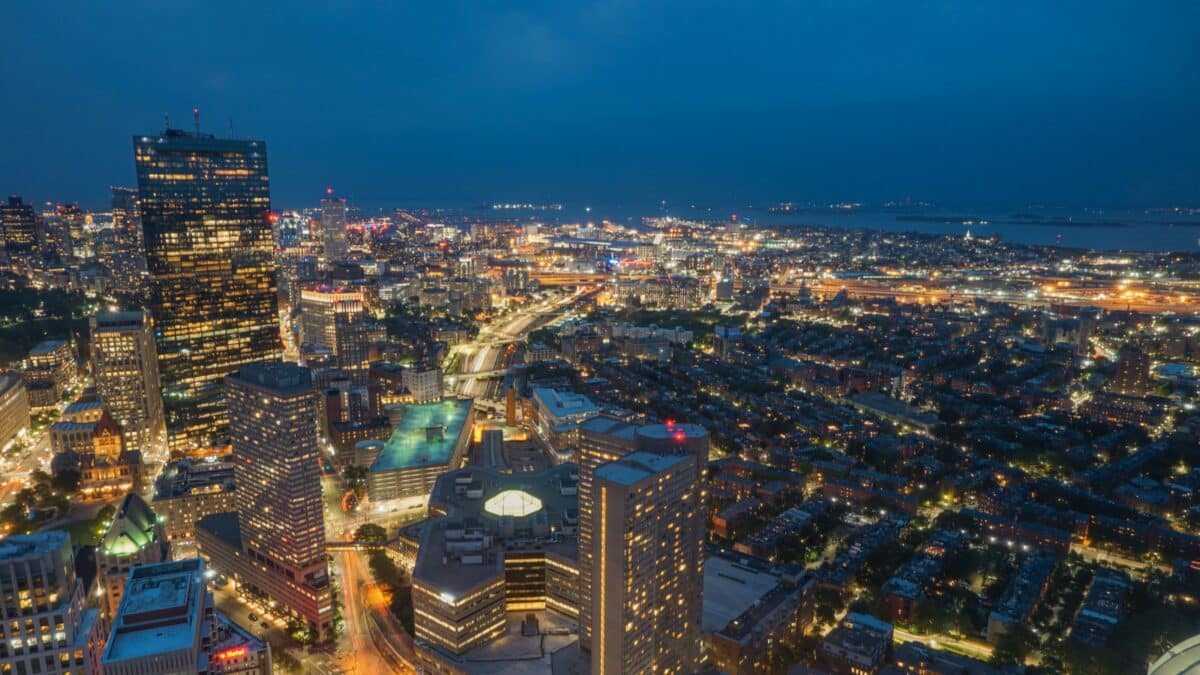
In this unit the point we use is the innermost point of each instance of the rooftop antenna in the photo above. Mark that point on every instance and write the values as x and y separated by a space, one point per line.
231 134
166 121
196 117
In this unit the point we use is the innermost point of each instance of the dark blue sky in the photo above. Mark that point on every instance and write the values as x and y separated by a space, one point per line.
963 102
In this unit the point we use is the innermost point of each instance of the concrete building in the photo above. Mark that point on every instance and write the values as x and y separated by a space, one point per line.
860 645
188 490
125 366
750 607
135 537
49 368
167 623
45 627
559 414
274 544
430 440
331 318
647 565
499 543
14 408
1133 373
607 439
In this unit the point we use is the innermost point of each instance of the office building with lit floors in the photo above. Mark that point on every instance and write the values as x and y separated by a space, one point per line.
332 318
605 439
125 366
44 626
498 545
134 537
167 623
274 544
646 583
205 209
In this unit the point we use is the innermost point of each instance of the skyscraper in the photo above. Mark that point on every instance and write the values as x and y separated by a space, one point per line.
19 224
646 566
333 227
205 206
128 262
277 542
125 365
332 318
606 439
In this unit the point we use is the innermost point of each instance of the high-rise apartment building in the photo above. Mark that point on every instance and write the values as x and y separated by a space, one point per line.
1133 373
646 565
332 318
166 623
19 225
205 211
134 537
275 542
45 628
333 228
606 439
125 366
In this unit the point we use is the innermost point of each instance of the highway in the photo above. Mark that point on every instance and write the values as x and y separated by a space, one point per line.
486 356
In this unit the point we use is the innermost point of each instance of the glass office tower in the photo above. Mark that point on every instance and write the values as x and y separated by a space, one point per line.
205 205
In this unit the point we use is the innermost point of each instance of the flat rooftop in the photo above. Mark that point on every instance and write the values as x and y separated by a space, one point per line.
565 403
635 466
159 611
20 546
730 589
425 437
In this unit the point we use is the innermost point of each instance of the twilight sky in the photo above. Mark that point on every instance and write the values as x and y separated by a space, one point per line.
967 102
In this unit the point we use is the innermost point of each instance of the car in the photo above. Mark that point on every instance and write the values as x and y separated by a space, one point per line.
253 616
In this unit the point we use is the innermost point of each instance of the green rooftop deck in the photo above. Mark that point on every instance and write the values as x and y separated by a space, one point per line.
414 442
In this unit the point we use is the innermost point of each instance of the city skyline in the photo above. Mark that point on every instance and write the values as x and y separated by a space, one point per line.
852 338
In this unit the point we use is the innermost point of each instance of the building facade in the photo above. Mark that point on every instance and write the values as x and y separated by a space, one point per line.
166 623
125 367
44 626
278 544
188 490
332 318
604 439
14 408
646 565
19 225
205 211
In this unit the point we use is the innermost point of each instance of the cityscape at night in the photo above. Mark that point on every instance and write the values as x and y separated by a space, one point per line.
795 338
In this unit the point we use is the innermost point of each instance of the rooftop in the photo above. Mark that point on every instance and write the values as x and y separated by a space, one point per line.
159 611
20 546
730 589
636 466
426 435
